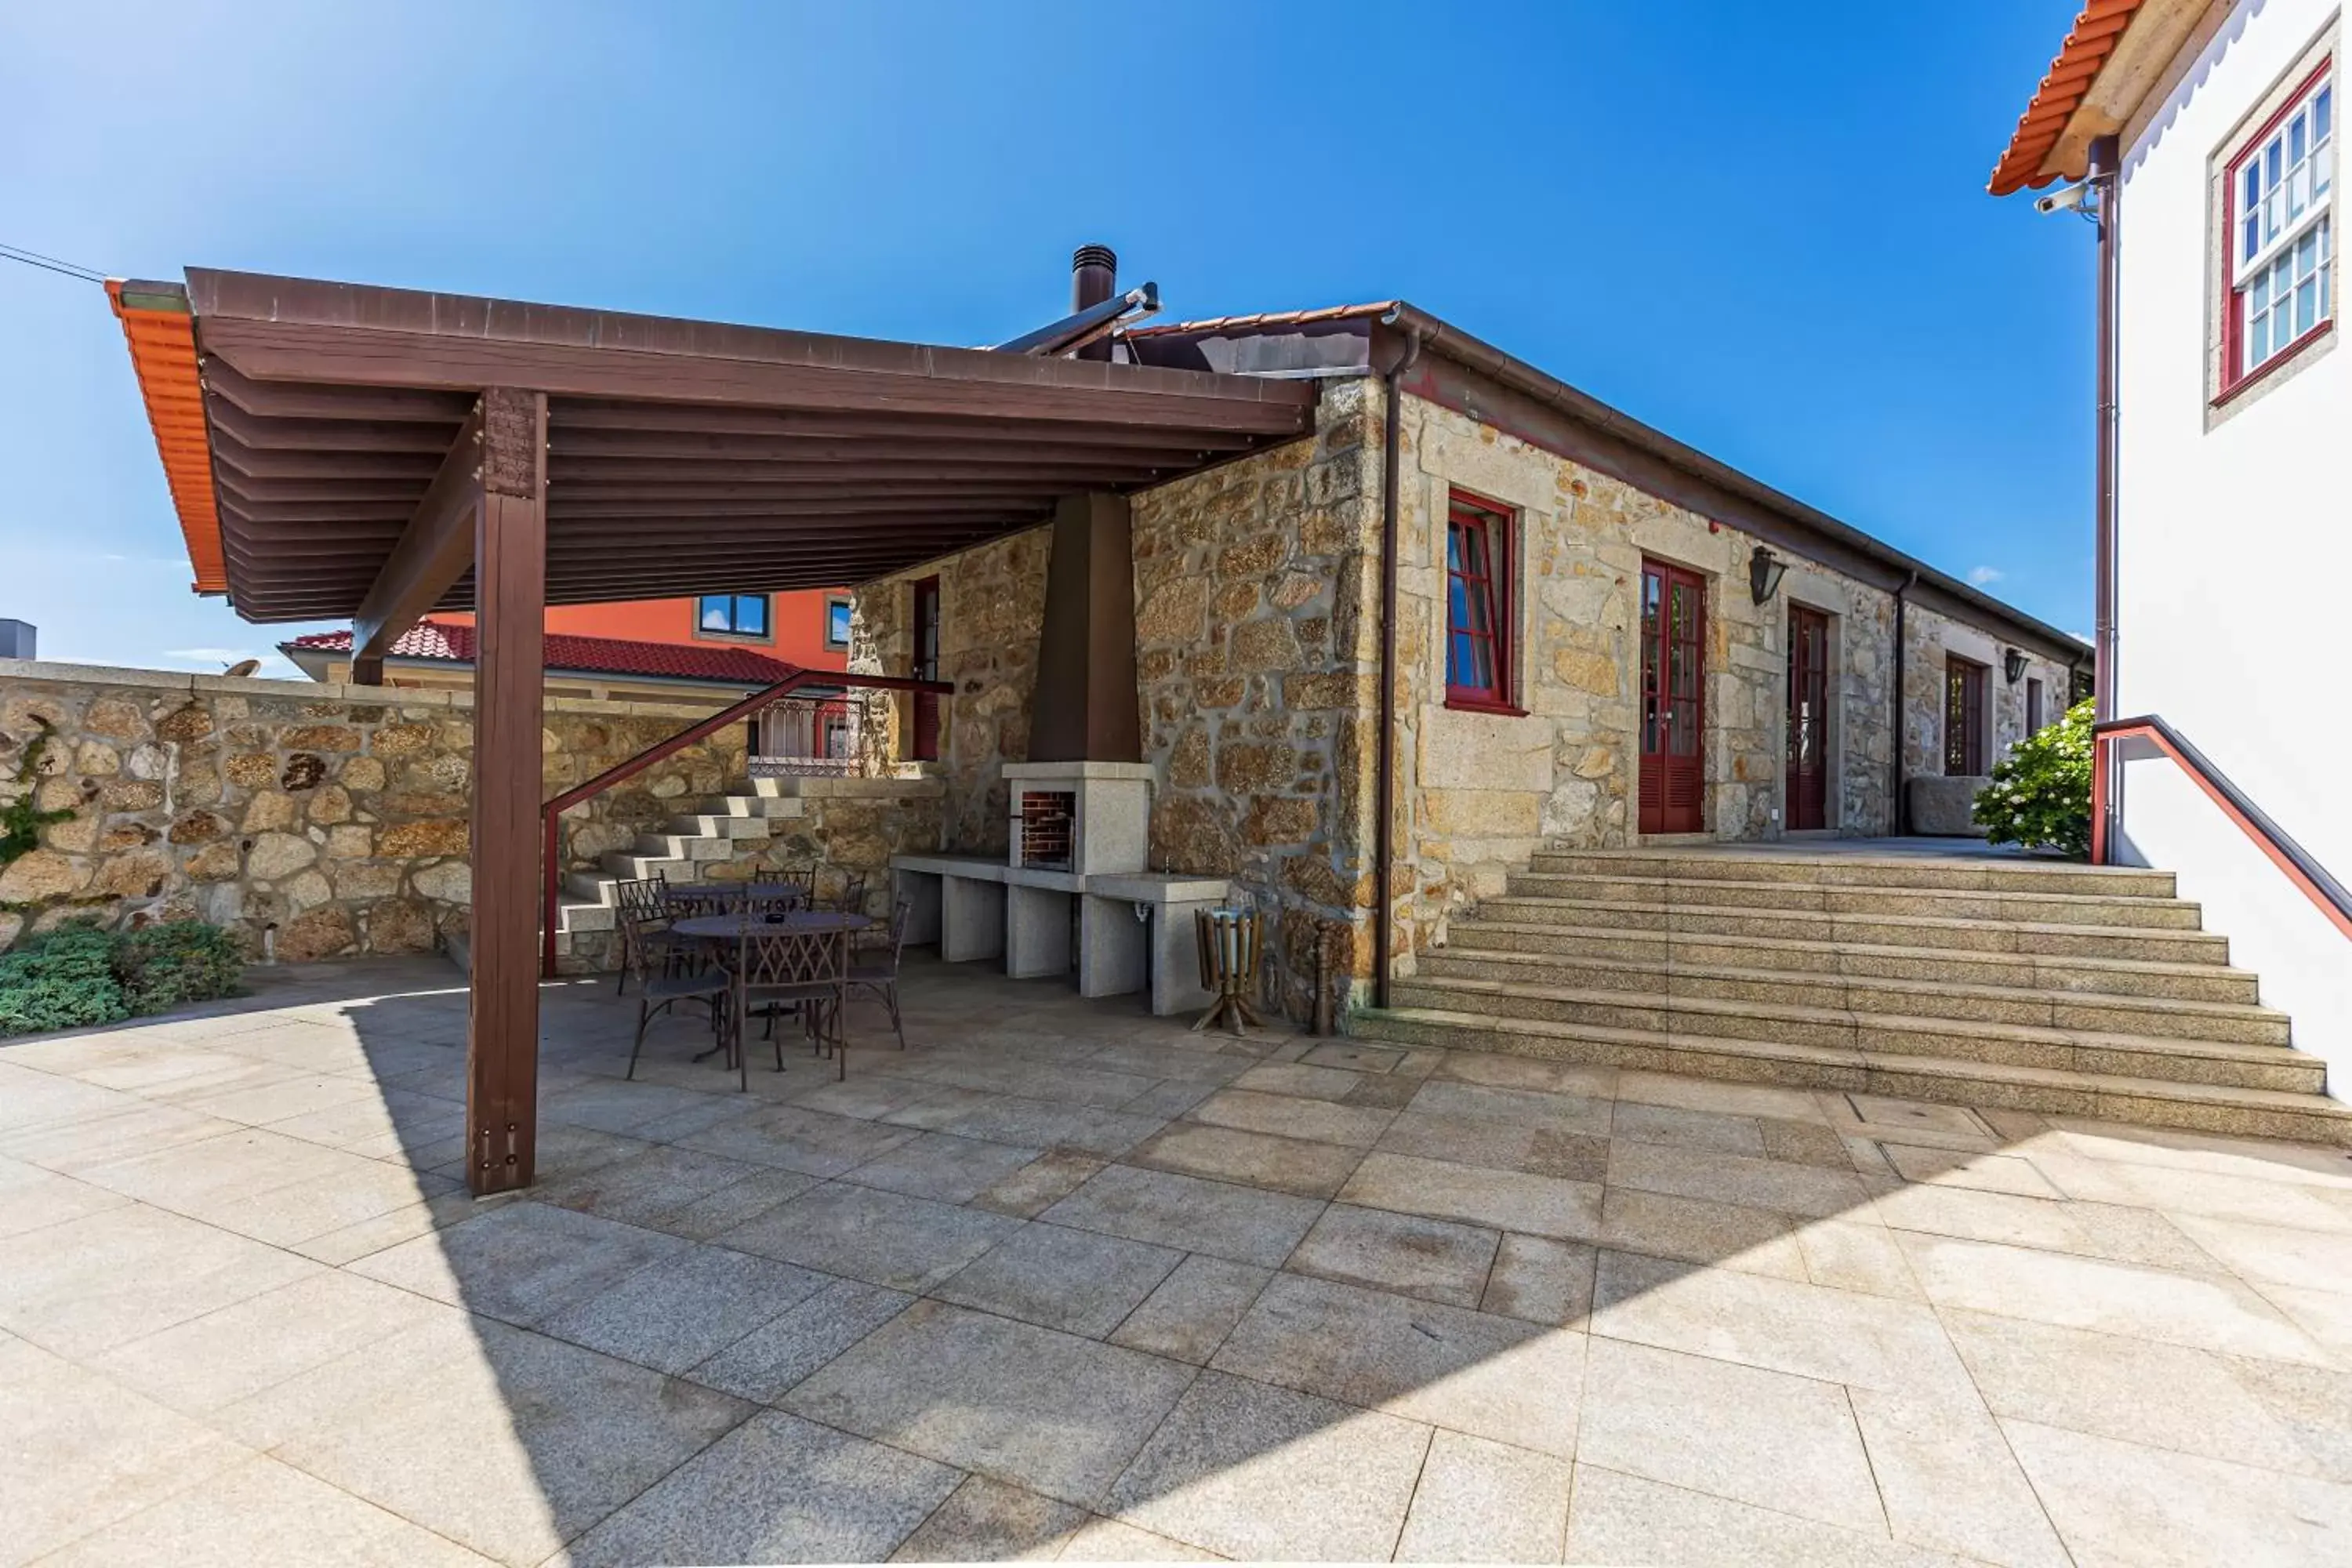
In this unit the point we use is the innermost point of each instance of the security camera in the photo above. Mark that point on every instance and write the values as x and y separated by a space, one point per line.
2067 200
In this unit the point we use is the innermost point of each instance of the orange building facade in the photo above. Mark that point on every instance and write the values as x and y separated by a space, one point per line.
798 628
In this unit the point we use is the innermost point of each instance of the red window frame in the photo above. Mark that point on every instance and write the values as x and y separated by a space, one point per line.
2235 377
1481 610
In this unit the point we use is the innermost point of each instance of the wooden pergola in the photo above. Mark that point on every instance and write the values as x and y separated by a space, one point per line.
342 451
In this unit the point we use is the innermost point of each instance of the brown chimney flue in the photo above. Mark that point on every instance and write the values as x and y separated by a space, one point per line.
1093 278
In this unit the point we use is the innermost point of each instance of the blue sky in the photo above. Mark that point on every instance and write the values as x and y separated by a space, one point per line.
1760 228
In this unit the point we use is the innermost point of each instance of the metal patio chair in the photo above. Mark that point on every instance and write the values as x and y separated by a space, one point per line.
778 970
874 970
643 913
664 980
849 900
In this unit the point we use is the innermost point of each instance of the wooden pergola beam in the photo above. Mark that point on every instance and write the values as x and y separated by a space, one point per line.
435 549
378 357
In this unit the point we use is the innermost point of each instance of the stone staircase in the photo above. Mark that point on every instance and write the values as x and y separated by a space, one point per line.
586 915
1970 978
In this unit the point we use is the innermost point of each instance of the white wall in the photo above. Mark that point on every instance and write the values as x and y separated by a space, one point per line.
2235 547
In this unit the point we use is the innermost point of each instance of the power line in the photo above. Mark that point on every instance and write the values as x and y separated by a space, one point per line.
52 264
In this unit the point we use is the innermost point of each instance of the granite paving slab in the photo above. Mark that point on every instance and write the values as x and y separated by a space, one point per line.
1496 1377
686 1309
1436 1259
1242 1223
1254 1472
775 1489
1074 1281
1050 1412
865 1233
522 1262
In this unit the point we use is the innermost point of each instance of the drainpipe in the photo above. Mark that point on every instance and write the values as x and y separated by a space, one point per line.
1384 772
1901 818
2108 779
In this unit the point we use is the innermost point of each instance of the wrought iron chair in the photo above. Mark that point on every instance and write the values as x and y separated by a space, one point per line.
849 899
875 971
780 969
644 915
662 983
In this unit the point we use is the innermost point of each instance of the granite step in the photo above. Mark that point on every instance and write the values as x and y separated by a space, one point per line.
1964 932
584 914
2211 1107
2017 874
722 825
2204 979
1886 1004
685 846
1667 892
627 867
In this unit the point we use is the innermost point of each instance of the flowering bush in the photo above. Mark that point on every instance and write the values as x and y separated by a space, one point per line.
2040 792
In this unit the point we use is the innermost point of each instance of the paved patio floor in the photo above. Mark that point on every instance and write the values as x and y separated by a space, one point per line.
1064 1280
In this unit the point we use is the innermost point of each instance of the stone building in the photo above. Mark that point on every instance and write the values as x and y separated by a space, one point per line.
1600 638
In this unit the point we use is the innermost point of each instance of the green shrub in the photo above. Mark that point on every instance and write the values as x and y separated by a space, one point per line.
2040 795
164 966
61 980
78 975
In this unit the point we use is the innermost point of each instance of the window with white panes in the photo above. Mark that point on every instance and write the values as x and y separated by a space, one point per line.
2281 194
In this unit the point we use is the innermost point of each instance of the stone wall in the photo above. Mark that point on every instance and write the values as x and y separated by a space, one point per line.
1932 636
1480 792
1257 638
317 820
1257 632
991 609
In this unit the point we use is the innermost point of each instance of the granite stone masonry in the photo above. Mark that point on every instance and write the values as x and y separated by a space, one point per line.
320 820
1257 590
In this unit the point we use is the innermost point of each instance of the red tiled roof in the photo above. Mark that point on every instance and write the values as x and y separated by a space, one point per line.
1269 319
2094 35
453 642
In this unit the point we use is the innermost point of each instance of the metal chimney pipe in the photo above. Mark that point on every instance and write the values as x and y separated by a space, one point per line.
1093 278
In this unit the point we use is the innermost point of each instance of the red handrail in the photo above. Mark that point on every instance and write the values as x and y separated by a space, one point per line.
2326 894
549 813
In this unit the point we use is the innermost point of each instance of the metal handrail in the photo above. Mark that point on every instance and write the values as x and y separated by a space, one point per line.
552 811
2330 897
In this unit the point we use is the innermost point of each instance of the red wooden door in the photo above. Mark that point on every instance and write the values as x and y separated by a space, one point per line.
926 667
1808 717
1674 702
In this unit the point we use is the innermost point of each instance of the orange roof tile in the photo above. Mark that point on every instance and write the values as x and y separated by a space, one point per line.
2087 47
163 355
1267 319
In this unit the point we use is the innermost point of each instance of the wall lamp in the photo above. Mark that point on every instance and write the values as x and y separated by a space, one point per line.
1765 570
2012 665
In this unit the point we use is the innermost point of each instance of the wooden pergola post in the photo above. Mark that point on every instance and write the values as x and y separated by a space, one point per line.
510 604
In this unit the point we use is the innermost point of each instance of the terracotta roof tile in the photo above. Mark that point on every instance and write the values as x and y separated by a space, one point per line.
1267 319
2069 78
453 642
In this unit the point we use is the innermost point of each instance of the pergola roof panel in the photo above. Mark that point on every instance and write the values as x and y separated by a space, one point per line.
683 456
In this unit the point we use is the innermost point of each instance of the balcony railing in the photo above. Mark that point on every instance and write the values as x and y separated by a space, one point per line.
811 737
